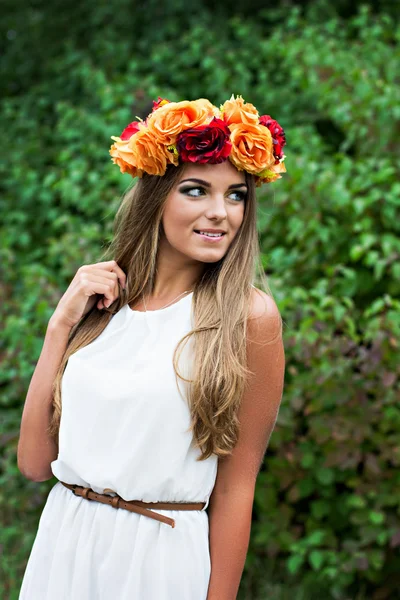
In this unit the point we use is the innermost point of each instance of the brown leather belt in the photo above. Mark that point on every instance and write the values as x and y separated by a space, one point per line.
136 506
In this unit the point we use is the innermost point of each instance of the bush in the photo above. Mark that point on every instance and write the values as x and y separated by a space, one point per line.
327 498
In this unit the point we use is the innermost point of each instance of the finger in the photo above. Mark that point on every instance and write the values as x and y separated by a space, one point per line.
106 275
111 282
100 304
104 303
110 266
107 291
99 275
121 275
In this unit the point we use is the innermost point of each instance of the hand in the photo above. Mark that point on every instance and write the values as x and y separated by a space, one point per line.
89 282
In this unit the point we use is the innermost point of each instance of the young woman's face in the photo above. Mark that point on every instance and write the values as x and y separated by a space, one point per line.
206 197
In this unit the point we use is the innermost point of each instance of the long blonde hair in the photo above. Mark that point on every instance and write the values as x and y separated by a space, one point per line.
221 301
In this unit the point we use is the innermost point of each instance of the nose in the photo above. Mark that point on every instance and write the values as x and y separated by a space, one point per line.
217 208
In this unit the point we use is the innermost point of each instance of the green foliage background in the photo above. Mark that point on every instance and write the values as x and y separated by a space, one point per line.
326 512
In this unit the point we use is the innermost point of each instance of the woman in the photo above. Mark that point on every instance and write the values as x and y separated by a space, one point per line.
171 367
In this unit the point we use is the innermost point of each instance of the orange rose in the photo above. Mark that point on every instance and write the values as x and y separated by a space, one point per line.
206 104
252 148
122 156
171 119
239 111
148 154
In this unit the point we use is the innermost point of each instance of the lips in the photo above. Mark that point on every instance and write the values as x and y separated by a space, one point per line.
219 232
210 239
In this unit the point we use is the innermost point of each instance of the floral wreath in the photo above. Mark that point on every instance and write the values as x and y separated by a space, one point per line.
198 132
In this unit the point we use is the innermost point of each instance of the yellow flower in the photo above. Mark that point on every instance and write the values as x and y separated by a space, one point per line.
271 174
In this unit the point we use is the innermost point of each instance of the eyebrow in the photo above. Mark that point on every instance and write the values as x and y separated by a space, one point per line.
207 184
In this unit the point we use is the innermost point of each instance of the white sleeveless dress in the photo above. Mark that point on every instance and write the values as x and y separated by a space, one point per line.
124 427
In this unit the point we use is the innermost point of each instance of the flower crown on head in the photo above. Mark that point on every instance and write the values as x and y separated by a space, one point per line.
198 132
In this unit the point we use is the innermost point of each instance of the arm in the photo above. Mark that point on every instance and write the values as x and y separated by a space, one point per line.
36 449
231 502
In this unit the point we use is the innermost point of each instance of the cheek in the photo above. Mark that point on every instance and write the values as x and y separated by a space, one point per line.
237 217
178 224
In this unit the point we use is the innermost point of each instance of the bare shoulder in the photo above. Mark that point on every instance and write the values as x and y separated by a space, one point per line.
265 321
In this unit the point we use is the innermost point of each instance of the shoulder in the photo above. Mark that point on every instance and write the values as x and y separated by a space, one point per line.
265 321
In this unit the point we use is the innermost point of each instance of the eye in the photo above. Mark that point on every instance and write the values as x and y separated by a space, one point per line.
185 190
242 195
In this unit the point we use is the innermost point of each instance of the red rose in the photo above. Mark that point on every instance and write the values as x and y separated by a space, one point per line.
205 144
130 130
159 102
278 136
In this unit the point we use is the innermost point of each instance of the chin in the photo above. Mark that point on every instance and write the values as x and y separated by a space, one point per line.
214 258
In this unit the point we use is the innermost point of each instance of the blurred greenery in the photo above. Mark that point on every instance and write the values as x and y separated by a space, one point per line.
327 503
